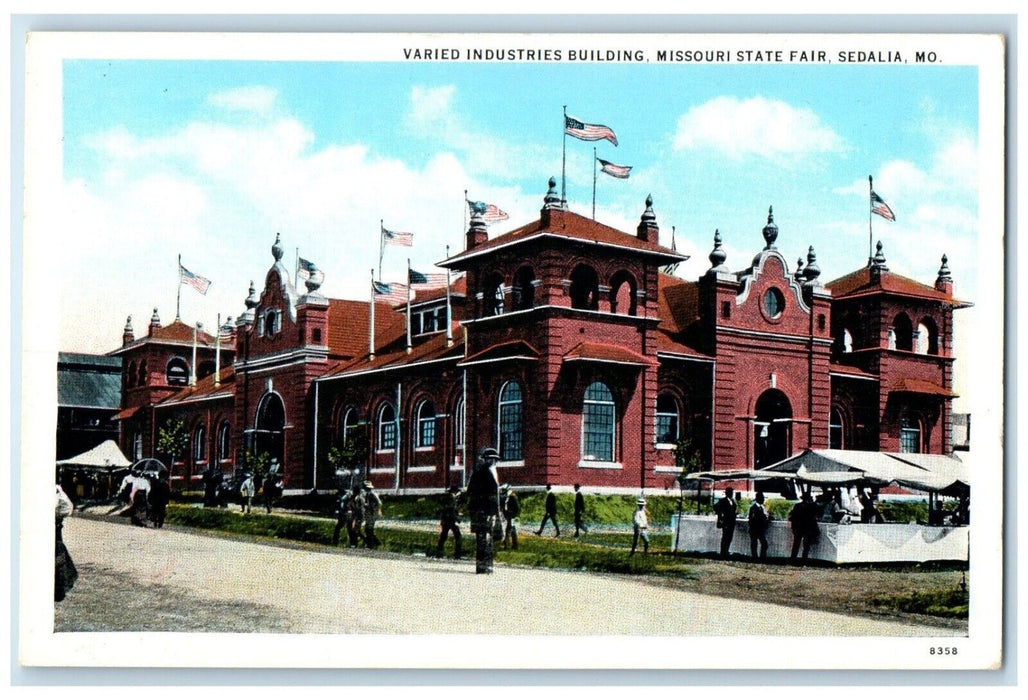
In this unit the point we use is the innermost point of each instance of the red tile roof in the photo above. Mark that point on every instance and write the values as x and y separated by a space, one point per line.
204 388
678 304
348 327
510 349
573 227
599 352
394 353
860 283
920 386
181 332
850 371
458 287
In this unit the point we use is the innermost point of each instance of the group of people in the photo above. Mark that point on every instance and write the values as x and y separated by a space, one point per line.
358 510
270 489
145 498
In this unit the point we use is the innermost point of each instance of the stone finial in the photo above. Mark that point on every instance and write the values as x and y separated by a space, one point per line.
155 320
648 216
276 249
718 255
798 275
128 324
878 261
252 302
552 198
648 230
128 334
812 271
944 273
314 279
771 229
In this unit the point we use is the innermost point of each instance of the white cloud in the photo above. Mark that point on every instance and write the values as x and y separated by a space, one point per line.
254 98
757 126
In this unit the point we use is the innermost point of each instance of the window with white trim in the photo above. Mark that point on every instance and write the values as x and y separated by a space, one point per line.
200 444
224 441
667 419
425 433
598 423
458 424
835 429
510 422
910 435
386 427
177 372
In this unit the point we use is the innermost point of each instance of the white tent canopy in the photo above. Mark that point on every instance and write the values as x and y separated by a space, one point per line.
923 472
106 454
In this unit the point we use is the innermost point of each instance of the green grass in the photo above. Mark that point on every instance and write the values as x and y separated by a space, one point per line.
940 603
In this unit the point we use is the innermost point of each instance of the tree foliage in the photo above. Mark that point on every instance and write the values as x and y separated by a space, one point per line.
172 439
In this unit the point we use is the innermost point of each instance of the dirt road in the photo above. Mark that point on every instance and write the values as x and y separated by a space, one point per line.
177 580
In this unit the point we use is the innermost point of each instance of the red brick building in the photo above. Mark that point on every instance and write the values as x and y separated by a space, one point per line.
563 344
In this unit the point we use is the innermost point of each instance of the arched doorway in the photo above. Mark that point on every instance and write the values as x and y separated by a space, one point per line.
772 429
269 428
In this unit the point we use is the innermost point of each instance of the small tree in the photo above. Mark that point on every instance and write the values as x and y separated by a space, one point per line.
258 463
172 439
688 459
351 454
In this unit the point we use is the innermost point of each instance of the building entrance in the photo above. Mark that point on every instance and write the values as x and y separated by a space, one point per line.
268 435
772 429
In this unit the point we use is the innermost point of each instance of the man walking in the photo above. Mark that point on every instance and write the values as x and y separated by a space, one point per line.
640 524
449 519
551 511
372 509
247 490
511 511
805 531
484 507
725 512
579 510
758 521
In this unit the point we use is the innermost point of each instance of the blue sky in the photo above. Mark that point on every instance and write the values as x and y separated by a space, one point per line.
211 158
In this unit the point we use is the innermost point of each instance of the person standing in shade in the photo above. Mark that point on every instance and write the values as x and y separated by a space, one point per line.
725 512
65 573
551 512
272 484
354 515
449 521
758 519
640 524
343 514
160 495
484 507
372 509
579 510
247 490
805 531
511 511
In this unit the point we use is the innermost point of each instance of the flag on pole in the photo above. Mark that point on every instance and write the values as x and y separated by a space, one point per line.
200 284
588 132
393 293
618 171
306 269
404 238
879 207
490 212
421 280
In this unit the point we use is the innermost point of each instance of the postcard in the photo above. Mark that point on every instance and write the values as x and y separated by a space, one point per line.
513 351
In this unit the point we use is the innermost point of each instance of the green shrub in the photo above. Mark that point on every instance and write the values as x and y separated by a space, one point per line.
940 603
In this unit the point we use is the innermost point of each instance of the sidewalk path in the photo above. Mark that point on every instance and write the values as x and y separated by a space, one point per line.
316 589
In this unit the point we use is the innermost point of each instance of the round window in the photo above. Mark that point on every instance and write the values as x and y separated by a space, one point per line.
774 303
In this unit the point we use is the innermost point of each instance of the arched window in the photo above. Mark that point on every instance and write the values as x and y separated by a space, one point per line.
200 444
458 424
772 428
904 330
130 374
177 372
622 294
510 423
224 441
524 289
585 286
142 373
667 419
272 322
424 436
492 295
598 422
835 429
927 337
910 434
348 426
386 427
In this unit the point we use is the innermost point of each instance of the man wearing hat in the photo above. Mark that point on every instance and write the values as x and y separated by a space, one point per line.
449 519
511 511
372 509
484 507
639 527
579 510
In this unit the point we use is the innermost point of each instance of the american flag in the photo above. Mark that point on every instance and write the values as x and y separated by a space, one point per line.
588 132
421 280
490 212
404 238
306 269
619 171
391 292
200 284
879 207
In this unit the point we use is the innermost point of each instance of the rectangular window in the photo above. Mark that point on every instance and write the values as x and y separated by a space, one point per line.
598 423
910 440
510 432
667 428
387 438
426 432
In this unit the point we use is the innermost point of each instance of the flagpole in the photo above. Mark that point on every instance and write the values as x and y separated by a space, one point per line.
371 324
296 267
449 312
217 353
594 183
178 295
408 306
870 207
465 229
381 246
563 160
192 368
